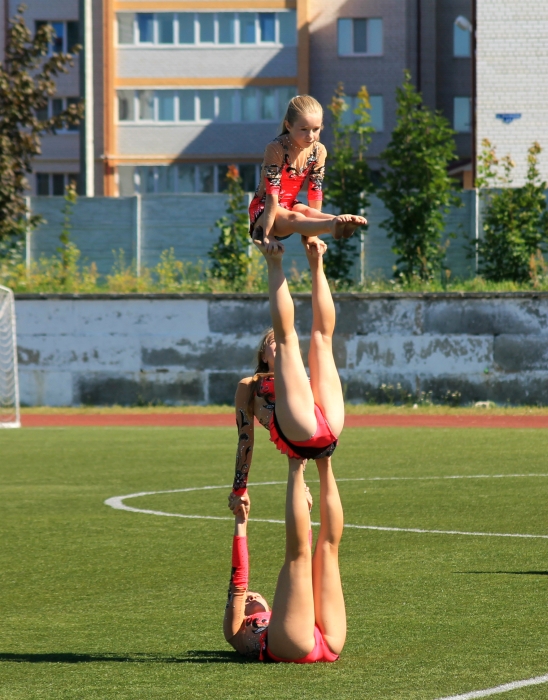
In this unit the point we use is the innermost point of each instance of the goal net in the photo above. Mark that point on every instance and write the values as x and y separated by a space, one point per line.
9 381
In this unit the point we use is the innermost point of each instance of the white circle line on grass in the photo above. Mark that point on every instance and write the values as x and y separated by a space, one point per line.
507 687
117 502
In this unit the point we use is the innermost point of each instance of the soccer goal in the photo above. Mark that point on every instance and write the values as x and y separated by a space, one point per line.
9 380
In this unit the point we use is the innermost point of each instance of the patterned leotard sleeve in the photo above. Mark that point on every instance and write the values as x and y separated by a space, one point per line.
316 175
273 163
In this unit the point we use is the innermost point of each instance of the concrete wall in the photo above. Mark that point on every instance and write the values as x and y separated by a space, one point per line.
194 348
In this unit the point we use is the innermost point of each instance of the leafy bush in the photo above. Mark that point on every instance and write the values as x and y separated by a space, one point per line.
230 254
348 178
416 188
515 219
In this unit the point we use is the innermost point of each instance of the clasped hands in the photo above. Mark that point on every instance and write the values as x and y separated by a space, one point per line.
240 505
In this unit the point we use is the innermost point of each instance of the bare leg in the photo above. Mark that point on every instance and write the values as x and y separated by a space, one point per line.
311 213
294 399
291 629
288 222
328 596
324 377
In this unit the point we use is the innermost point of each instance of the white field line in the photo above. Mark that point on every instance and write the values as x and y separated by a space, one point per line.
117 502
507 687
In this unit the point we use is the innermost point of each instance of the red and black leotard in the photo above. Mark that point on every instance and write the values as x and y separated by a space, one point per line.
285 168
321 444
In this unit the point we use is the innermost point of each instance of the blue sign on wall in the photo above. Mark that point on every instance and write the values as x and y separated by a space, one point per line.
508 118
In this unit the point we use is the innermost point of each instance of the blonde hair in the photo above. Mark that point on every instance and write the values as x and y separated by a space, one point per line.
299 105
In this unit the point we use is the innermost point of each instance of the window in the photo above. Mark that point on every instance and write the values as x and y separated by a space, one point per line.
206 174
65 35
176 178
146 105
73 101
360 37
43 113
220 28
166 179
376 112
48 184
288 28
186 27
145 27
267 26
248 173
268 107
462 40
226 105
250 104
126 21
186 178
206 100
54 107
462 115
186 105
285 94
126 105
126 180
247 28
207 27
58 40
42 183
226 22
58 184
73 35
165 28
166 105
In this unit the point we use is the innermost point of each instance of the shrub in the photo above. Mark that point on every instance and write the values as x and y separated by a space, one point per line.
348 178
514 219
417 190
230 254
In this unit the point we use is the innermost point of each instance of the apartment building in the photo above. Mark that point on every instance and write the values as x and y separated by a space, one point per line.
183 88
194 87
372 42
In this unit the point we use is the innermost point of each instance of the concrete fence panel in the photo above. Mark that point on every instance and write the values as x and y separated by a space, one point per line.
193 349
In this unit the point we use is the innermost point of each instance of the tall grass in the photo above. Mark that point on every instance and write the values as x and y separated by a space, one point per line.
70 274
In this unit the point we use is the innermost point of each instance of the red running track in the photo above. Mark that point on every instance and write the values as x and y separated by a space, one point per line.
223 420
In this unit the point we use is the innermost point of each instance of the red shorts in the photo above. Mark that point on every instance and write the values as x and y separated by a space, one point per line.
320 653
321 444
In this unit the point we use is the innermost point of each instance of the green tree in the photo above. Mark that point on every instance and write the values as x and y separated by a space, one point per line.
417 190
26 84
515 219
229 255
348 178
69 253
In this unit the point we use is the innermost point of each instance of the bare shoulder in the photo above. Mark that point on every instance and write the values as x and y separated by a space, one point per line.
242 391
274 148
322 150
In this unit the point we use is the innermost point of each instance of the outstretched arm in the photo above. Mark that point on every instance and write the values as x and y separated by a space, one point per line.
235 606
246 438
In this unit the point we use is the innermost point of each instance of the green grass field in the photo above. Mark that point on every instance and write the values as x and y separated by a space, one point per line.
103 604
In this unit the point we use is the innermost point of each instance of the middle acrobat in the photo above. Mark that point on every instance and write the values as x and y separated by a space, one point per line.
275 212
